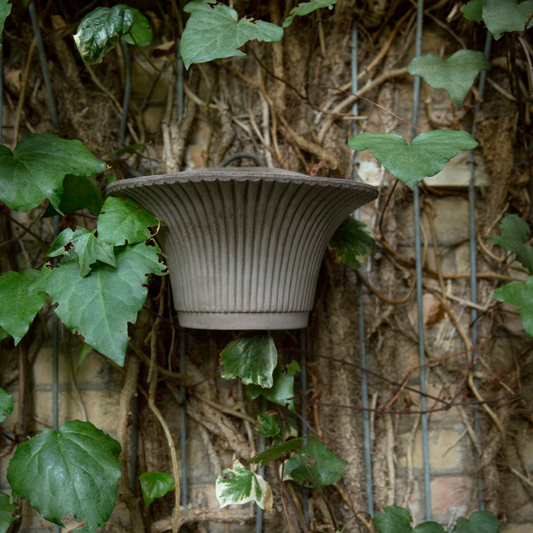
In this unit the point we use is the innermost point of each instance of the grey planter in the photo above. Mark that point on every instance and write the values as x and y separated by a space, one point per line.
244 245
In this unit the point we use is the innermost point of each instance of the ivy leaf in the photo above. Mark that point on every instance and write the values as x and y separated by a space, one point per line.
515 234
100 305
353 242
5 512
100 31
479 521
140 33
123 220
19 307
282 391
6 405
520 295
79 192
5 10
456 75
37 167
242 487
393 520
74 470
315 466
290 425
429 527
269 426
305 8
473 10
85 350
155 485
88 249
275 452
252 357
214 31
502 16
423 158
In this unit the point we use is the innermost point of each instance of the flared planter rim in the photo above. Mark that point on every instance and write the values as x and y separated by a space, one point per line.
239 174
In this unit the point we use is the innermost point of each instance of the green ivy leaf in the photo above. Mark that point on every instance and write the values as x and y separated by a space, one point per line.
502 16
37 167
305 8
123 220
456 75
269 426
100 305
85 350
275 452
353 242
5 10
480 521
473 10
242 487
515 234
290 425
282 391
140 33
5 512
155 485
252 357
521 295
315 466
429 527
393 520
74 470
79 192
87 247
423 158
6 405
100 31
214 31
19 307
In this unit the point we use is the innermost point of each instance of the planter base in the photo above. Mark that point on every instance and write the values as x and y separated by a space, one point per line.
238 321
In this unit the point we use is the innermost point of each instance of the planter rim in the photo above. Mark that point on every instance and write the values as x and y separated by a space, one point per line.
239 174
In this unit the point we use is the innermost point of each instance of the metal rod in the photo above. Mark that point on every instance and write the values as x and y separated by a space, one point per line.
360 289
127 91
303 377
261 472
1 90
419 289
473 257
44 65
55 357
183 420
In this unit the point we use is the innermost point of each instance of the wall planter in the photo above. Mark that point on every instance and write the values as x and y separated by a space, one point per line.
244 245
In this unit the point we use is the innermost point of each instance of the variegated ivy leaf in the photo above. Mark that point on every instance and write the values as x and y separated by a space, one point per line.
269 426
214 31
19 307
87 247
423 158
243 486
101 30
282 390
305 8
251 357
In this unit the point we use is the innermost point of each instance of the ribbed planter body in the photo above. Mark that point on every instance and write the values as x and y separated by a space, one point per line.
244 246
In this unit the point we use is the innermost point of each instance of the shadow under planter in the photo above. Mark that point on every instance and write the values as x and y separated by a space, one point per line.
244 245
